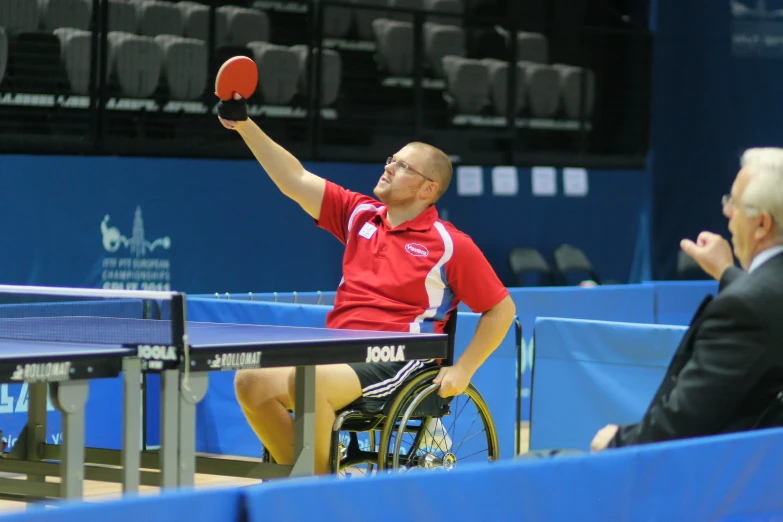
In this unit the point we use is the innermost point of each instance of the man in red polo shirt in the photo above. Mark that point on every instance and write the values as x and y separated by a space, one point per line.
403 270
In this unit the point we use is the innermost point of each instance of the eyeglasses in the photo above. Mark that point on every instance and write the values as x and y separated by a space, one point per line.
401 165
728 199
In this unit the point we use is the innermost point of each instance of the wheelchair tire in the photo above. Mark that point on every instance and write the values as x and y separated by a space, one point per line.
401 411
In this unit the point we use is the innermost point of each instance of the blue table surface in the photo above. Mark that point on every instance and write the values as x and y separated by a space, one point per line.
226 334
15 349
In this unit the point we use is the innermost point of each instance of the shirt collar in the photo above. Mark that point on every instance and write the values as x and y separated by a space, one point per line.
764 256
422 222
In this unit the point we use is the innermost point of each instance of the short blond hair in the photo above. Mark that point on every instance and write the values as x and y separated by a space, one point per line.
438 164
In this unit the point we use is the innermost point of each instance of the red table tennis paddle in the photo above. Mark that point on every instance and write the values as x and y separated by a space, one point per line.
238 75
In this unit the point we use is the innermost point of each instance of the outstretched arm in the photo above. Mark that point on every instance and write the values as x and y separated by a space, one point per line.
286 171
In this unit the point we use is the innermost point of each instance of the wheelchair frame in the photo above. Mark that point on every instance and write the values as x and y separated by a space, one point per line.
416 399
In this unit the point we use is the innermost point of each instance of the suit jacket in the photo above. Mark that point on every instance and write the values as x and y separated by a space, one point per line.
728 368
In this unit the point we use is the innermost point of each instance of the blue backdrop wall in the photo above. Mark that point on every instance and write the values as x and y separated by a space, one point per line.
716 92
205 226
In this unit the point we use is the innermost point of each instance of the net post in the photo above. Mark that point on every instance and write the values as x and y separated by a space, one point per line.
171 383
178 321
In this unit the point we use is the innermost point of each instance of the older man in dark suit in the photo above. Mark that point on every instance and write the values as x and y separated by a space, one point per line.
727 373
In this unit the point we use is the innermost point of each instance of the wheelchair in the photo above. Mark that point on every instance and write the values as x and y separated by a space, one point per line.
417 413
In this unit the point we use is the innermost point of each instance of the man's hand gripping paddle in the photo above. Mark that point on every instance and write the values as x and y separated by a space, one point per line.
238 76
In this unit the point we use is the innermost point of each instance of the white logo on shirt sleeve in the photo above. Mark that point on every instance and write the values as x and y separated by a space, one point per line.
368 230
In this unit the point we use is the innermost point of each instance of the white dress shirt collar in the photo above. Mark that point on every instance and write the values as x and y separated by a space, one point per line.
764 256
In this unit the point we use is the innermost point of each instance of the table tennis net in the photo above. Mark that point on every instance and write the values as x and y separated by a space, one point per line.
112 321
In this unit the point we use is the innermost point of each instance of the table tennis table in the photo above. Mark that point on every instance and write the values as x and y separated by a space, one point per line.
64 352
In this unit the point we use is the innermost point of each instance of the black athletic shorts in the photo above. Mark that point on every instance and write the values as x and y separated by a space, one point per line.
379 380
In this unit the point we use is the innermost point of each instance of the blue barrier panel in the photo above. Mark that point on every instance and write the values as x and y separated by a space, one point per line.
630 303
221 426
225 505
676 302
658 302
592 373
103 414
727 478
496 381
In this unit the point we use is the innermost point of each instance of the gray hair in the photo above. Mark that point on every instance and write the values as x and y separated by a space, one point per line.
764 191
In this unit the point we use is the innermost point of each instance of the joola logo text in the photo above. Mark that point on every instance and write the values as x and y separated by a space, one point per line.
385 353
157 352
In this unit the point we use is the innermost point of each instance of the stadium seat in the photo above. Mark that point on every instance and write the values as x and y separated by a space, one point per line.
156 18
184 66
543 89
240 26
331 67
34 64
365 17
467 82
3 53
524 260
195 20
19 16
135 62
75 14
442 40
532 47
571 79
498 86
75 48
394 40
688 268
569 258
278 69
123 17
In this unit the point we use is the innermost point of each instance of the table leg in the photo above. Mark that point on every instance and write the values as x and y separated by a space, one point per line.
131 436
35 433
304 422
69 398
169 417
196 389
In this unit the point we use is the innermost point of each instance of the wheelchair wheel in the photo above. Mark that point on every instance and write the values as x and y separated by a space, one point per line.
425 431
350 459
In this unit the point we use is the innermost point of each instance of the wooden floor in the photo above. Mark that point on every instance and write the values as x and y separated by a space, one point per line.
101 491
